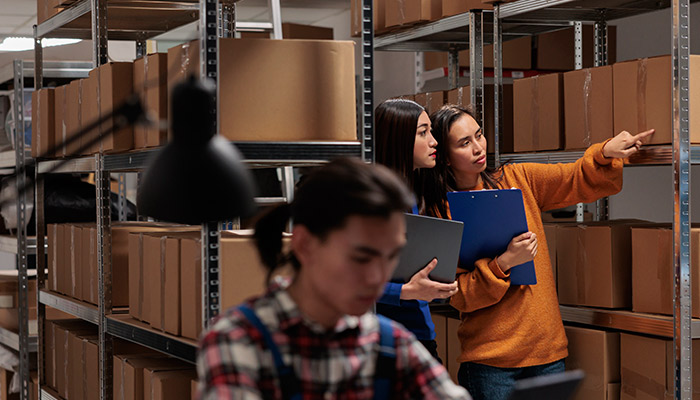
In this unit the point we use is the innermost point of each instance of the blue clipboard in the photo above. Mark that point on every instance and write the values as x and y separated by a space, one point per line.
492 218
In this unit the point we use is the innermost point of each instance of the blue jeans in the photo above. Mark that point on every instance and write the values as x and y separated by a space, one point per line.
492 383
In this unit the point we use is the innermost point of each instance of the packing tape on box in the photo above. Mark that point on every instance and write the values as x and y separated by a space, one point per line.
185 59
460 96
63 123
123 375
141 279
38 122
633 382
54 252
587 111
580 264
402 11
641 95
162 282
66 338
535 113
85 370
92 268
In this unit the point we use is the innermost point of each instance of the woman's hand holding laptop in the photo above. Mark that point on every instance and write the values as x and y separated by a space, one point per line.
421 287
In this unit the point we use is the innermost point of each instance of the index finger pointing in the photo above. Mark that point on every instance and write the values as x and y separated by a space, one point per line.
642 135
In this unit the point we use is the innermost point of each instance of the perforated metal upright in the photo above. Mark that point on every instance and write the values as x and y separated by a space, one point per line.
476 63
367 82
682 342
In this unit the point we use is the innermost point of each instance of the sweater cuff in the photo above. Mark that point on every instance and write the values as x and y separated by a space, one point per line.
497 271
598 156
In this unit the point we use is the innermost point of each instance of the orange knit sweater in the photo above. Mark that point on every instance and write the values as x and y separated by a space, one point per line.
517 326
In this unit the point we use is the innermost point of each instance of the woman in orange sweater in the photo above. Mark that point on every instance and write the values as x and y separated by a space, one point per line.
513 332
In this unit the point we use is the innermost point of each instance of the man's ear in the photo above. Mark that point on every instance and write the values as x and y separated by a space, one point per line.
302 243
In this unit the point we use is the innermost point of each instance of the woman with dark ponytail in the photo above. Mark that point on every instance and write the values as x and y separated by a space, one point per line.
405 144
314 337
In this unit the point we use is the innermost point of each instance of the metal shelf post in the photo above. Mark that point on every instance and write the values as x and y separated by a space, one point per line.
368 81
453 69
681 205
600 49
104 274
476 63
497 83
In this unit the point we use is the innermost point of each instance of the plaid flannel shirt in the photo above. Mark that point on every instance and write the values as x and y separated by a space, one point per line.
330 364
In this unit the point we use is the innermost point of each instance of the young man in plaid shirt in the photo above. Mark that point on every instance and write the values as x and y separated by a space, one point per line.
348 230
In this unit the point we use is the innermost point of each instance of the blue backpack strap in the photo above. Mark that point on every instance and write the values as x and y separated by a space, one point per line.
386 360
414 209
288 381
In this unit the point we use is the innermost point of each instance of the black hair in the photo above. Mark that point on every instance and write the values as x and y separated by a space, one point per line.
395 123
325 199
436 182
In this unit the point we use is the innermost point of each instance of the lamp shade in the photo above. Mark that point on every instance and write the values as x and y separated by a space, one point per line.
198 177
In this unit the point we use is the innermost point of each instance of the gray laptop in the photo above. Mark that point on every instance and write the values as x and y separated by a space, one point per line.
561 386
428 238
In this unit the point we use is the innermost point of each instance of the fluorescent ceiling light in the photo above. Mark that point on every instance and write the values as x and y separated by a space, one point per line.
23 43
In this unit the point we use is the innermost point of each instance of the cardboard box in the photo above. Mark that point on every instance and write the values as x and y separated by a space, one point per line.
89 112
652 269
116 85
43 122
60 115
461 96
431 101
9 291
597 353
454 7
588 107
193 388
74 116
647 368
5 378
410 12
63 259
643 98
454 348
51 260
242 274
538 104
128 373
158 382
594 262
323 106
555 50
517 54
550 233
378 17
47 9
89 264
191 287
63 330
84 365
151 83
76 260
299 31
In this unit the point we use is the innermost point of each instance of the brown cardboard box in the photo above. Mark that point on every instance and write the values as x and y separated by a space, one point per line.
454 7
642 98
193 388
323 106
59 130
63 259
62 357
454 348
183 61
462 97
43 122
172 385
588 107
299 31
75 240
136 292
431 101
652 269
646 368
74 116
47 9
191 287
550 232
594 263
538 104
151 265
51 237
116 85
242 274
378 17
409 12
555 50
517 54
155 379
89 111
151 82
128 373
5 378
89 264
440 322
9 291
597 353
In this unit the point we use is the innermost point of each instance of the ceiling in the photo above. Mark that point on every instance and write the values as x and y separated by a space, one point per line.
18 16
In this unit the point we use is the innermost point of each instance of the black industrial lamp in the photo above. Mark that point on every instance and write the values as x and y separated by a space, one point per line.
198 176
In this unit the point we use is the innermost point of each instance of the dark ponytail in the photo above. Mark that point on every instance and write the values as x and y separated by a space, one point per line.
325 199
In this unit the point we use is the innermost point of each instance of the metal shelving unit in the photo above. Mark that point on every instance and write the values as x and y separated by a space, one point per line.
17 73
681 327
88 19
